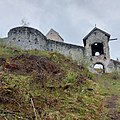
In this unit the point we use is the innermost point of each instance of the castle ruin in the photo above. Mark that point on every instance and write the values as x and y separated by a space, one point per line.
95 50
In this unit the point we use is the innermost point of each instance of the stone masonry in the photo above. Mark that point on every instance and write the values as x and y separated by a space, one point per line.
95 50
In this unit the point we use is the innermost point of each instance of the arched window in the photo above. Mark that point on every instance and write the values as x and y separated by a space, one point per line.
99 68
97 49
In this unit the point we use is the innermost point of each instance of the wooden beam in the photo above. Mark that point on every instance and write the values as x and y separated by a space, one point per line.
113 39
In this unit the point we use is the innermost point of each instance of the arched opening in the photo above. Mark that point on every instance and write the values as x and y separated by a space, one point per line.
99 68
97 49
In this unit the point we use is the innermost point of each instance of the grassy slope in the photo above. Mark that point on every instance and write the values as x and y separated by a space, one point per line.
68 95
110 90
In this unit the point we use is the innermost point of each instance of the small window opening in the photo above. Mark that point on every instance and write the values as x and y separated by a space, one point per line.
95 33
105 58
91 59
97 49
99 68
18 40
36 41
14 38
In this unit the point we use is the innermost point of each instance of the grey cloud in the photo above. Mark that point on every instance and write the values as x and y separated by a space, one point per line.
73 19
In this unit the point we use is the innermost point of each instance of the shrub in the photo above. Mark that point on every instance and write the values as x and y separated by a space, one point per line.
70 77
90 76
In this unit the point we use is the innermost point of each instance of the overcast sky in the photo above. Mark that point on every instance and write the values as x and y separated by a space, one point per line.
72 19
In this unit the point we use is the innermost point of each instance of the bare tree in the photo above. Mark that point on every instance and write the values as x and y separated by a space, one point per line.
24 22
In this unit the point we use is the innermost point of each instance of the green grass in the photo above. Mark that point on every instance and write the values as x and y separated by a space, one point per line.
72 94
76 102
108 84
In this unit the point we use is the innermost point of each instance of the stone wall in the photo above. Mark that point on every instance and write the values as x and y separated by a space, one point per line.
29 38
73 51
114 65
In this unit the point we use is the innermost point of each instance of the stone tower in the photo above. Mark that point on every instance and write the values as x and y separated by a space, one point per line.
53 35
97 49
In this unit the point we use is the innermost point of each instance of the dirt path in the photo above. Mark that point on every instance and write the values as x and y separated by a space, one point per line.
112 107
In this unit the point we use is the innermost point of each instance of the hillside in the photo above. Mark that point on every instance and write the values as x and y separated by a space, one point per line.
40 85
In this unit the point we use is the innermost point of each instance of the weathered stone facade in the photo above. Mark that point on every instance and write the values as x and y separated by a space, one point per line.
53 35
29 38
95 50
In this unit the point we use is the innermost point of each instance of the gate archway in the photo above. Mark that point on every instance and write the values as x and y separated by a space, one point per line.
99 68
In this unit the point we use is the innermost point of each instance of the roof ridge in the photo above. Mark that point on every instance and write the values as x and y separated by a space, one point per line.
95 28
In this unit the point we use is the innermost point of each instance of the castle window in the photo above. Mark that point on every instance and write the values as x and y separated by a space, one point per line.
18 40
105 58
36 41
95 33
97 49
